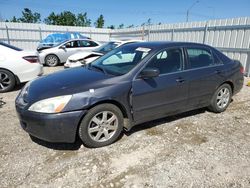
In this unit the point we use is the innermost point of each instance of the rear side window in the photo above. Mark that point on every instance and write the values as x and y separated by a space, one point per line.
93 44
85 43
199 57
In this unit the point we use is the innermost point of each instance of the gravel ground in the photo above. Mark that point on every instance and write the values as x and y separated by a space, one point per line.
194 149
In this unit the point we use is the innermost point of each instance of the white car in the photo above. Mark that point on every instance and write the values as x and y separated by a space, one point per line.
86 57
17 66
60 52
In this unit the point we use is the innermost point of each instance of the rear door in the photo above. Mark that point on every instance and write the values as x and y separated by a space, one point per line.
156 97
204 74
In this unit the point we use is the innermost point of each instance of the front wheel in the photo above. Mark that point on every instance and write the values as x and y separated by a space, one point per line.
221 99
101 126
51 60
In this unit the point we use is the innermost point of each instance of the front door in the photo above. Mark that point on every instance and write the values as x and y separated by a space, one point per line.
166 94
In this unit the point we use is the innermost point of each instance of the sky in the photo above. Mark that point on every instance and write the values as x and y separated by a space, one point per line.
134 12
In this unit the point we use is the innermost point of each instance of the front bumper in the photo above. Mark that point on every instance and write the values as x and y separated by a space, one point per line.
61 127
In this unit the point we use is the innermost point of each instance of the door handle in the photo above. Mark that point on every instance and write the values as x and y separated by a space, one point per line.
180 80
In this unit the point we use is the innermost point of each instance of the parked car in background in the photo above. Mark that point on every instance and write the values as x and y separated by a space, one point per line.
56 38
81 58
150 80
60 53
17 66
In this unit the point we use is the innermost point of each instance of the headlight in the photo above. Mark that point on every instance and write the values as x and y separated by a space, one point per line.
51 105
24 93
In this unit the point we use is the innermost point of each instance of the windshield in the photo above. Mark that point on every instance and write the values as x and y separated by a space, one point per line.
107 47
10 46
121 60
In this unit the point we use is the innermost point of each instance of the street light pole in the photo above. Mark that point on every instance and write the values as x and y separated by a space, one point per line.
188 10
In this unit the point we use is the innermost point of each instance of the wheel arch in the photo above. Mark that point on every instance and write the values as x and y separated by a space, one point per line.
127 125
229 83
17 80
114 102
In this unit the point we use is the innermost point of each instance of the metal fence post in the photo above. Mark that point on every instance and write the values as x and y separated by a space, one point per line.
110 34
40 33
172 34
7 32
90 34
205 34
143 29
248 65
148 33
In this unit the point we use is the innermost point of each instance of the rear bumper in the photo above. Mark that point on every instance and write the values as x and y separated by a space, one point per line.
239 82
61 127
31 73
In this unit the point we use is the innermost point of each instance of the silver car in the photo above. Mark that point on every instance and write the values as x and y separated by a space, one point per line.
60 53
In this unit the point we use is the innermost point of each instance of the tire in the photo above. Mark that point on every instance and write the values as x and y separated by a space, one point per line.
51 60
7 81
95 130
221 99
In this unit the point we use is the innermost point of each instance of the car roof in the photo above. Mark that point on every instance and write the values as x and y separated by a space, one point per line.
165 44
78 39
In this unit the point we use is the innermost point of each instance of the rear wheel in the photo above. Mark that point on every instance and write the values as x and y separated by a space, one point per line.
7 81
221 99
51 60
101 126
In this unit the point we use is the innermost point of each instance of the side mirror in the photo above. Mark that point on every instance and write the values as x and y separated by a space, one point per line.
149 73
62 47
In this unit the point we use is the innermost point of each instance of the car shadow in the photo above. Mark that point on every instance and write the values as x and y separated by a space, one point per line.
164 120
58 146
77 144
18 87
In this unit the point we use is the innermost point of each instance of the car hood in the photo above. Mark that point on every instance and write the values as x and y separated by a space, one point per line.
82 55
66 82
49 50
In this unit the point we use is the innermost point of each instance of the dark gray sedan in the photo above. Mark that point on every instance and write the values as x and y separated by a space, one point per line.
130 85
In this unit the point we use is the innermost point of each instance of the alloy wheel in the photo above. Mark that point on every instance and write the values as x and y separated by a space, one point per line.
103 126
223 97
5 81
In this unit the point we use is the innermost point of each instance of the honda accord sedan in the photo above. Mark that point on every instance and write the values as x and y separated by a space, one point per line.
147 81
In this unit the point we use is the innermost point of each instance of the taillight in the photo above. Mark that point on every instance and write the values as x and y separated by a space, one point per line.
242 69
31 59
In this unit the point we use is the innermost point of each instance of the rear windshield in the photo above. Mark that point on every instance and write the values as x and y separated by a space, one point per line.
107 47
10 46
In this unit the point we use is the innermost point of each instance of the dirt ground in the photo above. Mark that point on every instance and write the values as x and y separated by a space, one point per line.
194 149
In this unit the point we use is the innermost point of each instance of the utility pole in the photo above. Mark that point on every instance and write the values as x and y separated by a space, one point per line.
188 10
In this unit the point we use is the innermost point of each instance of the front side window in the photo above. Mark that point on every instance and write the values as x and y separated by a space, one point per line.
121 60
199 57
72 44
167 61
